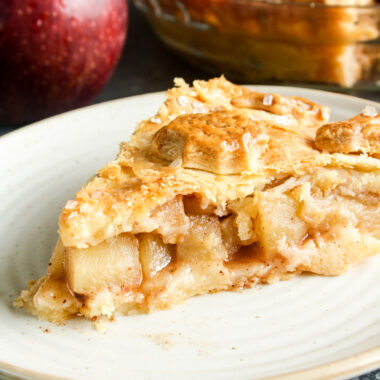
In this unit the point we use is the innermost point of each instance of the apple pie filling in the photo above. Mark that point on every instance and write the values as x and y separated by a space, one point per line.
321 222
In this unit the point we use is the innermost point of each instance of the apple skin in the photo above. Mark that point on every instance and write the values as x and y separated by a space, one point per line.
56 55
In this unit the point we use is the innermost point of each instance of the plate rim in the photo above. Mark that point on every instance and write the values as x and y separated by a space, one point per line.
338 369
349 366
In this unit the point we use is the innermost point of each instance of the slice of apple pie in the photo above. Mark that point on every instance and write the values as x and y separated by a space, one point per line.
222 189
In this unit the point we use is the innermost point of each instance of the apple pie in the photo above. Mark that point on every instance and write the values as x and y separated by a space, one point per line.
222 189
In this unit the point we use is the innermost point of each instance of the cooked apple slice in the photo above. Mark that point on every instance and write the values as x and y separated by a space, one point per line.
154 254
114 262
202 255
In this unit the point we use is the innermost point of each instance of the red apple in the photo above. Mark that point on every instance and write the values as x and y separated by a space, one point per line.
56 55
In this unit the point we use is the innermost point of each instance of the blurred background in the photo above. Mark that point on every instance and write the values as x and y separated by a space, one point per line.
148 65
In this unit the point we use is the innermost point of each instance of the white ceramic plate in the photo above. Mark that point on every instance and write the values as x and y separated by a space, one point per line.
308 328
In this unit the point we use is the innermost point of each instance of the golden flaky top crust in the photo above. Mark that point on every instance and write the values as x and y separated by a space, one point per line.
217 140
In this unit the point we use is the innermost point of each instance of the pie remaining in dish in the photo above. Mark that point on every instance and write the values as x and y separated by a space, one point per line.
329 42
222 189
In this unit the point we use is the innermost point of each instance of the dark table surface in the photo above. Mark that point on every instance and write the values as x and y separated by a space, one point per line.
147 66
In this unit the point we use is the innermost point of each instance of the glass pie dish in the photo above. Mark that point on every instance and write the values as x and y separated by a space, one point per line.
323 43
